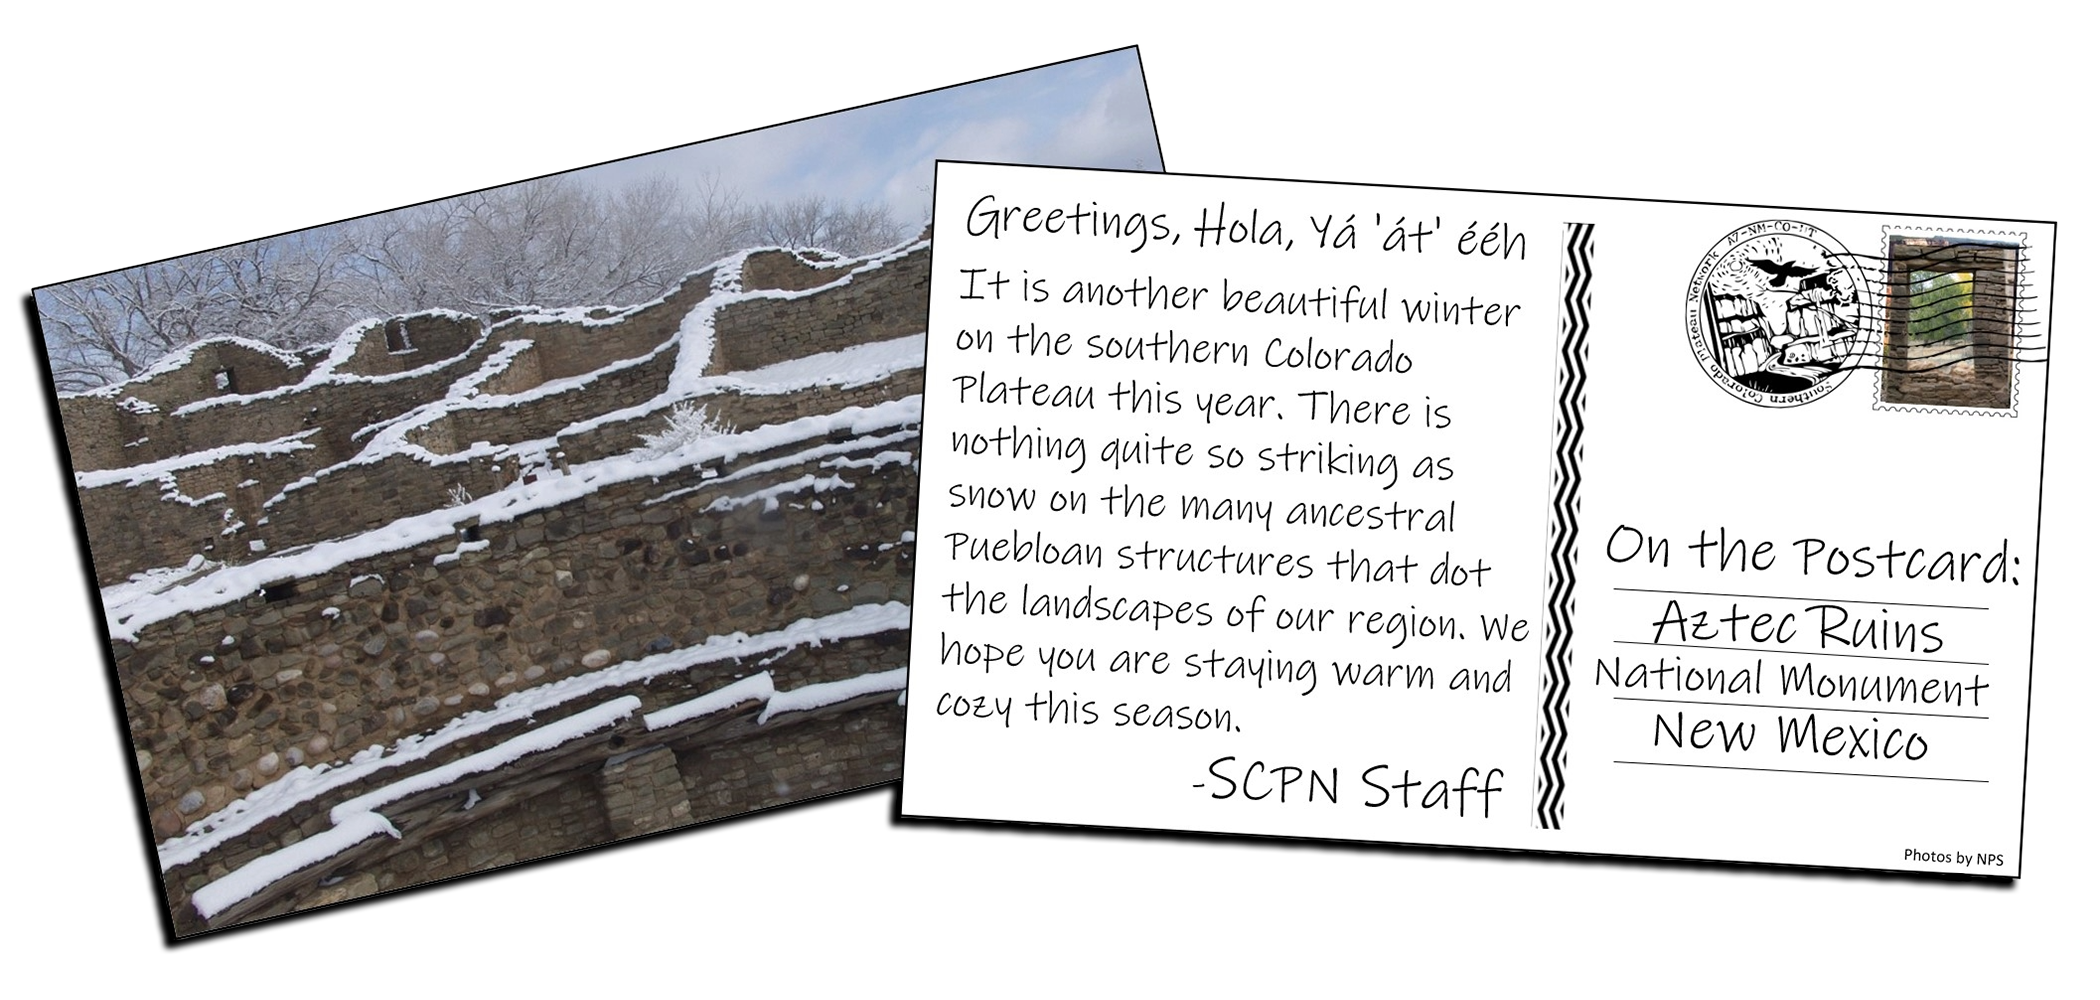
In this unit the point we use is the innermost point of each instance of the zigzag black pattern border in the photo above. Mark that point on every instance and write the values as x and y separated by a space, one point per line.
1575 275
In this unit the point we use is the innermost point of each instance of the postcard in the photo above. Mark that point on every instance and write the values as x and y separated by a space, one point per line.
530 519
1515 521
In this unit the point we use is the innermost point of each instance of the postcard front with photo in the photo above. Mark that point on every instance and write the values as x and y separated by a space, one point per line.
534 518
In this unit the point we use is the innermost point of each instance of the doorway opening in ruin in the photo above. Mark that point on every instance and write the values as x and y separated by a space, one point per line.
1952 322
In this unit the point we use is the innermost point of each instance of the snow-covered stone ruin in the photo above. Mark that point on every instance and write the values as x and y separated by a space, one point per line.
459 591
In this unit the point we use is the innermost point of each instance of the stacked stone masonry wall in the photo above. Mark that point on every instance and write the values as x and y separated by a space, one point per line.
628 783
135 528
336 665
569 349
134 536
543 416
741 411
101 434
223 701
364 496
786 271
429 338
248 371
881 304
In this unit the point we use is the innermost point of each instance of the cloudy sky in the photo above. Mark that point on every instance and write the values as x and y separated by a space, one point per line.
1088 112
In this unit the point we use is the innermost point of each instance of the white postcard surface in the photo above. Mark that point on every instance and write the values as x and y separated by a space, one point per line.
1501 520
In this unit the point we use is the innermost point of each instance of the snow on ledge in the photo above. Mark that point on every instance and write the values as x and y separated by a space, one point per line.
693 343
232 583
253 877
532 741
453 556
309 781
790 461
757 687
809 696
358 819
136 475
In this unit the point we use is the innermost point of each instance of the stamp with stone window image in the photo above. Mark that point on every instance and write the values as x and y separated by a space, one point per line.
1777 313
1959 322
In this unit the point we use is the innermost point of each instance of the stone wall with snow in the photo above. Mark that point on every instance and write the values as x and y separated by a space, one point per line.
405 343
180 406
539 376
378 648
355 574
743 409
789 271
343 497
630 780
572 342
885 303
138 523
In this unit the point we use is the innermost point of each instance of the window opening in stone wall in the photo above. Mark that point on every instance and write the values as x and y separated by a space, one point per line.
1952 327
222 380
280 591
397 337
470 533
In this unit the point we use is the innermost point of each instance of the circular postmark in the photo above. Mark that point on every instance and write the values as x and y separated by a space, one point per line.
1774 313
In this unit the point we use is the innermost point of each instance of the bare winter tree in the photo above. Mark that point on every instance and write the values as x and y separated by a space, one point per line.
648 246
522 244
817 221
552 241
717 221
555 241
286 291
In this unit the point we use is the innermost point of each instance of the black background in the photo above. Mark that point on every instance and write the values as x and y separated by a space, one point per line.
131 154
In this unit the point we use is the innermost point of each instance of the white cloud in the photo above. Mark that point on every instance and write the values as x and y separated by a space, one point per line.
1113 130
1087 113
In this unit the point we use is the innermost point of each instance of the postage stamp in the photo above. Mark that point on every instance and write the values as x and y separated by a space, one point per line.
1958 326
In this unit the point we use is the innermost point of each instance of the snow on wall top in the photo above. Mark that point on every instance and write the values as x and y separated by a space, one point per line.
230 583
132 608
339 351
694 342
180 358
328 372
136 474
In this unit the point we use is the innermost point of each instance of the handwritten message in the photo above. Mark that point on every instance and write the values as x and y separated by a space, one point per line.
1231 483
